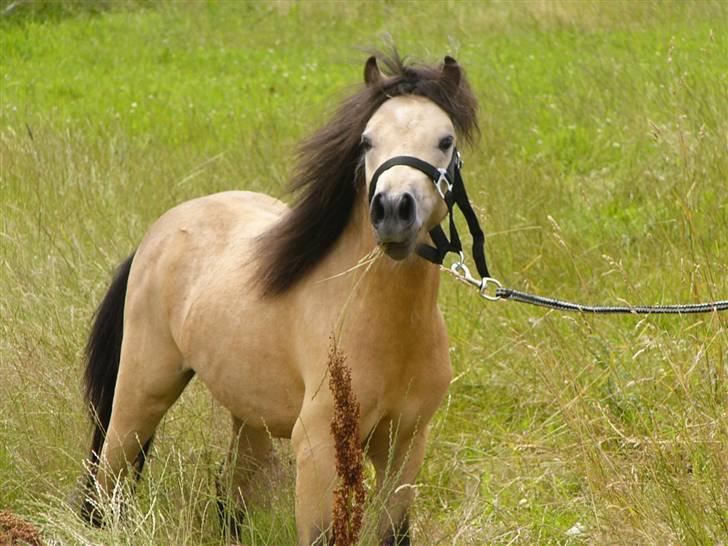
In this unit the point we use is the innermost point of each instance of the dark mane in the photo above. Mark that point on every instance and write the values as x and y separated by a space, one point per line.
327 178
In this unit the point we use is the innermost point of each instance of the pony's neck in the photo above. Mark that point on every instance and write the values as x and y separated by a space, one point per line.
410 285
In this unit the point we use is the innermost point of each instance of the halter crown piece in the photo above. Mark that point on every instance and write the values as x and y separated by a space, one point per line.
450 186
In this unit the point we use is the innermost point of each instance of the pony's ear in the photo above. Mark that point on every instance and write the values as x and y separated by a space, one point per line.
372 75
451 72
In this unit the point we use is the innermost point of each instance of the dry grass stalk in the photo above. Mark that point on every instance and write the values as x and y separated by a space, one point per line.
349 496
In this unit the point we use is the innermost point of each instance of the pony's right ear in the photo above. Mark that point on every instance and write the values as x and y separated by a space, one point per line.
451 73
372 74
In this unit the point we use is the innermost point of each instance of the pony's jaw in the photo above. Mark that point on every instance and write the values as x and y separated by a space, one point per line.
398 251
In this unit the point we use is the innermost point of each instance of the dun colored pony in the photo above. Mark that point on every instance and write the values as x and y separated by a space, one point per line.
244 292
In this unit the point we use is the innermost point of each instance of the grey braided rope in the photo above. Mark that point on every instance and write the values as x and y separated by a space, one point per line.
524 297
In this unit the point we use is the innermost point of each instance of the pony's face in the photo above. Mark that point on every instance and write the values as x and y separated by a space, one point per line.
406 205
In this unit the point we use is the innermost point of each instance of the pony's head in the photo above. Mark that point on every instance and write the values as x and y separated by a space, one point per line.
405 203
402 110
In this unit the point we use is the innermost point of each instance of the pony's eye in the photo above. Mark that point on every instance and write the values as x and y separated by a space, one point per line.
366 143
445 143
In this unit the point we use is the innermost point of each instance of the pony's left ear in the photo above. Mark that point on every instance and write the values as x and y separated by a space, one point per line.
451 73
372 74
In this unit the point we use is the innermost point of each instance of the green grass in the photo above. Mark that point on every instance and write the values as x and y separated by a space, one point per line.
601 175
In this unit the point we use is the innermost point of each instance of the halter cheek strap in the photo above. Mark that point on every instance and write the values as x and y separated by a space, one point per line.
450 186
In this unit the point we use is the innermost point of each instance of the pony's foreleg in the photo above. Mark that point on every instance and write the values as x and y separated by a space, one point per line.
150 380
397 462
315 474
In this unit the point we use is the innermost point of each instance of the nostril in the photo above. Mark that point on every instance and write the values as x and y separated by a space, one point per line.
406 208
377 209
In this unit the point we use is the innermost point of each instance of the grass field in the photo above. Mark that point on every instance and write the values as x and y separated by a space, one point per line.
601 175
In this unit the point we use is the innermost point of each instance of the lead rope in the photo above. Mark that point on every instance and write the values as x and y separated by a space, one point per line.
449 184
491 289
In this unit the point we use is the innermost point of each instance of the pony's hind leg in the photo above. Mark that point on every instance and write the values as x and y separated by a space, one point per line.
246 474
151 378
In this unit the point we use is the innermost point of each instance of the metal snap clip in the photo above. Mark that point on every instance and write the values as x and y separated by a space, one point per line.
484 287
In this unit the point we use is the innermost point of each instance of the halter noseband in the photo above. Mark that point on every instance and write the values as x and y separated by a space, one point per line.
450 186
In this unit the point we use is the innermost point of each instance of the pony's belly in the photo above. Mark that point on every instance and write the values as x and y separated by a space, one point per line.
261 393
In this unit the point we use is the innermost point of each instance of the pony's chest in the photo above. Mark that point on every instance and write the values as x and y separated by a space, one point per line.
398 370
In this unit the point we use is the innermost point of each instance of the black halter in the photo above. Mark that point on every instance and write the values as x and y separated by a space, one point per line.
450 186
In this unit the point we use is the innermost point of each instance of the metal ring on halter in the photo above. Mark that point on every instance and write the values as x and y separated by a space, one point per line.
446 180
459 160
484 287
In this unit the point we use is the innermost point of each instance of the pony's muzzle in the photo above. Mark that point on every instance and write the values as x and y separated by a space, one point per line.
393 218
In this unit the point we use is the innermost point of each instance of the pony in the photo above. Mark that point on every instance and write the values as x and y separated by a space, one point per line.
244 292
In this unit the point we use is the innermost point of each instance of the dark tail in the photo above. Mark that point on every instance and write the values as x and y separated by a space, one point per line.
103 352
